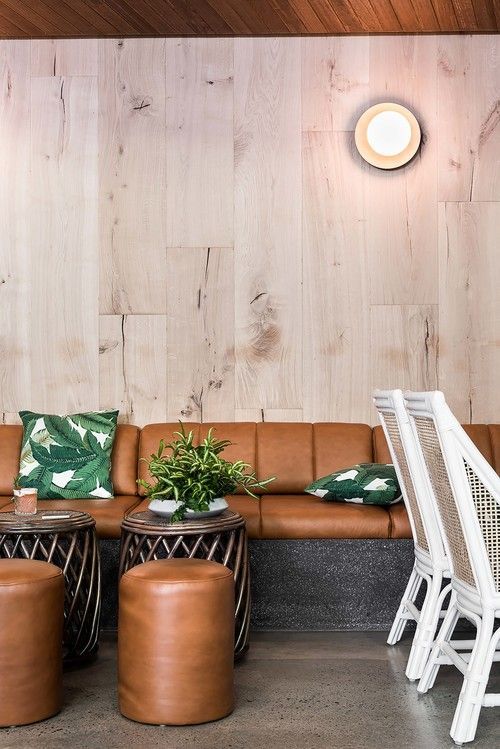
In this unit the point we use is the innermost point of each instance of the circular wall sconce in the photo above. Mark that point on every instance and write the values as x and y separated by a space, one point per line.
387 135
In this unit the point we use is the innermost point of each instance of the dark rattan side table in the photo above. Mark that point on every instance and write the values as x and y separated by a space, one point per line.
71 544
146 536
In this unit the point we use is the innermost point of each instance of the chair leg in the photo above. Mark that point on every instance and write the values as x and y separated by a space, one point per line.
476 677
444 635
426 628
399 623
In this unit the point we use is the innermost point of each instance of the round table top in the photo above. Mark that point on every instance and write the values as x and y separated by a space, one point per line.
45 521
148 522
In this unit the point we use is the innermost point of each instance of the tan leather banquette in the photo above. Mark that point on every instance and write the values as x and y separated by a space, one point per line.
296 453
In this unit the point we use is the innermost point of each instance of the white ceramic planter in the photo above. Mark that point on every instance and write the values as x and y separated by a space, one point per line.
166 508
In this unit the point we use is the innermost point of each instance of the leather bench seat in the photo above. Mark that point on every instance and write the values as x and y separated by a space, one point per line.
303 516
296 453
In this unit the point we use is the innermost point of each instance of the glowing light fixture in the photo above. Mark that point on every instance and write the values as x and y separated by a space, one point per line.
387 135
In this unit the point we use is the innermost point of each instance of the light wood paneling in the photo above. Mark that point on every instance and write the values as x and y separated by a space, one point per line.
132 366
200 142
337 355
15 355
63 268
132 175
200 331
469 351
404 347
335 75
268 262
401 205
269 414
66 57
469 118
325 277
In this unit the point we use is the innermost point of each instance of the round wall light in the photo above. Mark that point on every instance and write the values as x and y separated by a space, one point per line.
387 135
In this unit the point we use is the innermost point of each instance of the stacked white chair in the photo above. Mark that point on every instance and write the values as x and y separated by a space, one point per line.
467 496
431 563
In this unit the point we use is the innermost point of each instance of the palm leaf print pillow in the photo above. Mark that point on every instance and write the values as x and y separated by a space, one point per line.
68 457
364 483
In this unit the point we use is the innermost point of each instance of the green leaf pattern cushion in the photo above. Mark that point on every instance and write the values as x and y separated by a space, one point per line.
364 483
68 457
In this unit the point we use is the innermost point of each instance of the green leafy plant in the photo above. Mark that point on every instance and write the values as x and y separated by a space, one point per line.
194 475
17 482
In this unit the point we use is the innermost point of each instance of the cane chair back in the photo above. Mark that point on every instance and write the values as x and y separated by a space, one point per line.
467 490
412 477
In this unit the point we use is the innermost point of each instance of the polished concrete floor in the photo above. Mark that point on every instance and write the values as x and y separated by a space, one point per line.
335 690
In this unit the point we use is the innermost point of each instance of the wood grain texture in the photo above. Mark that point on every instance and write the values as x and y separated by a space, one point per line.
15 354
63 270
133 366
337 281
200 168
336 341
66 57
200 332
132 176
28 18
335 73
404 345
469 137
469 350
267 206
401 204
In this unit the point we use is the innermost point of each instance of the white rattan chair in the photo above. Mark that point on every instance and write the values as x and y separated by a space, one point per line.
431 563
467 493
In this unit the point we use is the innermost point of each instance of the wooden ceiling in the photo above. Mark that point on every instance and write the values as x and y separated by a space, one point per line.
111 18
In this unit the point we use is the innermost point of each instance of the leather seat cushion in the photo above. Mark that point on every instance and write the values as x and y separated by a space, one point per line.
107 513
400 524
304 516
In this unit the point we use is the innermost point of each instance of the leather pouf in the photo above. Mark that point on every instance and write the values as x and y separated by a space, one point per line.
176 642
31 627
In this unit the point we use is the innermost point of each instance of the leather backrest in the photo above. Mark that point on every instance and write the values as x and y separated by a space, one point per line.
285 450
11 436
149 440
338 446
242 434
481 434
494 430
381 452
124 459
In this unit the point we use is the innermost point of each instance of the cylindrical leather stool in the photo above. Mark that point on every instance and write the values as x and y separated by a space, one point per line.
31 625
176 641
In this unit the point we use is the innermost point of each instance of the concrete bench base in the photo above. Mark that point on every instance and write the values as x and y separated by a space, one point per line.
310 584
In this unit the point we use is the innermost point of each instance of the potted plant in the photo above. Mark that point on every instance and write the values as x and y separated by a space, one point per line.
192 480
25 499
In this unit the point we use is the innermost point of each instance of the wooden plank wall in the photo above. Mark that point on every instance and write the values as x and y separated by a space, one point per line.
188 230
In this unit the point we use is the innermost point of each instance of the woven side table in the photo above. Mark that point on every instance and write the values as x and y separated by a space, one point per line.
146 536
71 544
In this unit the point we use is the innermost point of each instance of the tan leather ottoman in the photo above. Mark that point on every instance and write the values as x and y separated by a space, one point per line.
175 642
31 626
